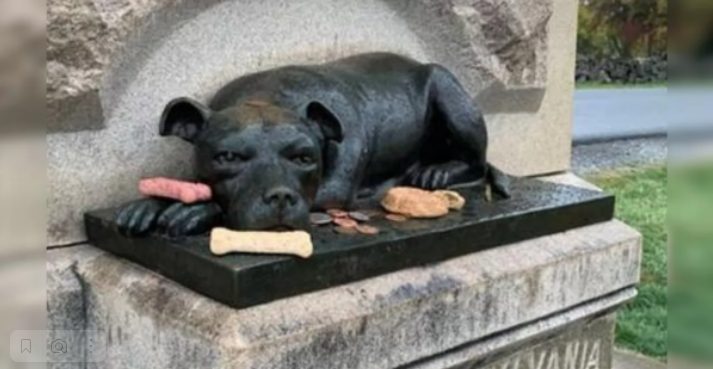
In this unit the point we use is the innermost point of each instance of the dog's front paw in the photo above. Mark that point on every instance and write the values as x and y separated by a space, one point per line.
438 176
189 219
139 217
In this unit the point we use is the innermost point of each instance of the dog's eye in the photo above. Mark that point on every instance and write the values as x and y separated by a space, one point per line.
302 159
227 157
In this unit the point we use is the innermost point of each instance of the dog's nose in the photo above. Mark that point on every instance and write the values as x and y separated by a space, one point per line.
280 197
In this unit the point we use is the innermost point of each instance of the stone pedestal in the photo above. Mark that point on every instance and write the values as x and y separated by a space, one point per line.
543 303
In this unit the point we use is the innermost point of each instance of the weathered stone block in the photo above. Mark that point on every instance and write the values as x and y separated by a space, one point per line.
435 316
585 344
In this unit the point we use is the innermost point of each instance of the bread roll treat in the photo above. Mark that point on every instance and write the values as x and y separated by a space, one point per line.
224 241
414 203
454 199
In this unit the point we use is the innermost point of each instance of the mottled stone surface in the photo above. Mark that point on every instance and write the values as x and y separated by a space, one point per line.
113 65
84 39
435 316
585 344
584 324
505 40
540 142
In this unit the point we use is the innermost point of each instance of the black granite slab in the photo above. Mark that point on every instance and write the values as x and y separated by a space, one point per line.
536 209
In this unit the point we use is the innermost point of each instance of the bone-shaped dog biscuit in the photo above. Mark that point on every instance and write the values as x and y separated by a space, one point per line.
186 192
223 241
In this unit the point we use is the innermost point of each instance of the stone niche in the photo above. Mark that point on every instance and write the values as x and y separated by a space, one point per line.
113 64
546 302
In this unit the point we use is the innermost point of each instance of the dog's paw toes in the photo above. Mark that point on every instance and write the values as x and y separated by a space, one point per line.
438 176
433 177
139 217
182 219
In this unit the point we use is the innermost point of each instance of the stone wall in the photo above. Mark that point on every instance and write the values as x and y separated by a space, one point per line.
112 66
505 43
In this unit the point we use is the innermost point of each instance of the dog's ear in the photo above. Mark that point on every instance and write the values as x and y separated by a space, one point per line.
183 117
327 121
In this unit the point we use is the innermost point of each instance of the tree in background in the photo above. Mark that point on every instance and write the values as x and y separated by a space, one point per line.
622 28
691 31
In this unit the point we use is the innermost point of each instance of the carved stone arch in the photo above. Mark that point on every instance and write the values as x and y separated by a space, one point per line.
95 47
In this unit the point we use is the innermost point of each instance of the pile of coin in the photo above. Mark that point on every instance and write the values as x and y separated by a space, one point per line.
401 204
345 222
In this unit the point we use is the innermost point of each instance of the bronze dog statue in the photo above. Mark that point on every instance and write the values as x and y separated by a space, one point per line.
273 145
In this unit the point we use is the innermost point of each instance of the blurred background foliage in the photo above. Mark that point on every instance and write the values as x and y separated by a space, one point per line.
691 28
690 223
622 28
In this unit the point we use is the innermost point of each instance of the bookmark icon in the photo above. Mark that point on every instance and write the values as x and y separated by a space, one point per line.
25 346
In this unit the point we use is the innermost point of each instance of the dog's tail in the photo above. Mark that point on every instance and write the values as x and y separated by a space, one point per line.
499 181
494 178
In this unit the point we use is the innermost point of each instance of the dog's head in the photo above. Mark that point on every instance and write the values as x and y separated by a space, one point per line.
264 163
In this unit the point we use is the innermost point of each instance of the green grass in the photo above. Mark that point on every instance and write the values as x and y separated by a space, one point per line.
641 199
601 85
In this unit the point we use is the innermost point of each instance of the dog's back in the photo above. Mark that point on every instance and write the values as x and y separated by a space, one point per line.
368 83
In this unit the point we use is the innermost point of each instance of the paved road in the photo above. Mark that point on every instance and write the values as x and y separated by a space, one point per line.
590 158
611 113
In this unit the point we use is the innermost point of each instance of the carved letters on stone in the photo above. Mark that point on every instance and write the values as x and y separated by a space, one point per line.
574 354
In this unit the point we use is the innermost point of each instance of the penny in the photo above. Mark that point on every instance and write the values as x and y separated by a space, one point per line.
337 213
345 230
396 217
359 216
320 218
345 222
367 229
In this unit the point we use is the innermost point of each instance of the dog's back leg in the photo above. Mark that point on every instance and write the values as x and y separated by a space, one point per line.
465 125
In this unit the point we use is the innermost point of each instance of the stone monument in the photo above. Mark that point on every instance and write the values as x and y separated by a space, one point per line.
545 299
